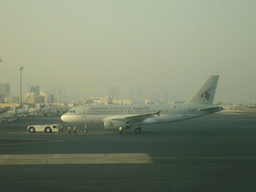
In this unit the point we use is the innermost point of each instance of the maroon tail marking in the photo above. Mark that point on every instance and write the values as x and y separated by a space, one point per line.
206 94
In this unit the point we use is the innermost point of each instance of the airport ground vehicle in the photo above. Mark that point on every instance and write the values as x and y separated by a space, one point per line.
44 128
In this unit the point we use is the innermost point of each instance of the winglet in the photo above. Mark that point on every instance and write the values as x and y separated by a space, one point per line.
158 113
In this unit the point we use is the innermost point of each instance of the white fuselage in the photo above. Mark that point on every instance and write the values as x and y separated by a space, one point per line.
95 114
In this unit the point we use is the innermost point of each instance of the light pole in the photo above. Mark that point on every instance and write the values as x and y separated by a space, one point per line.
21 85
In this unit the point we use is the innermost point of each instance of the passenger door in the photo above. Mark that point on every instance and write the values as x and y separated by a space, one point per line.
184 110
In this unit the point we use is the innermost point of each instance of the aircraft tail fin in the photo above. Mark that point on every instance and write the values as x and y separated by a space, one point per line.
206 92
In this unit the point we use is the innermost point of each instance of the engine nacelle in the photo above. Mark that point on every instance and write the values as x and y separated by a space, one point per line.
115 124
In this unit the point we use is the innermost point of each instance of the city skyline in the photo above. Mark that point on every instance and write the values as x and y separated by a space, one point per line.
154 97
159 46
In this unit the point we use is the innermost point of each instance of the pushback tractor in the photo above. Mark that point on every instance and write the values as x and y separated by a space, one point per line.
44 128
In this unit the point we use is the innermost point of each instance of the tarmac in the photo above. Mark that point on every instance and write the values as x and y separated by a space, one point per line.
211 153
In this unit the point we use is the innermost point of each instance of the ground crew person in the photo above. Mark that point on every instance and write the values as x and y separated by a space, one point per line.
69 129
61 128
120 130
74 129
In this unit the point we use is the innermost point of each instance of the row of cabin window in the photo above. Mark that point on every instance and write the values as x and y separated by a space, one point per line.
73 111
127 111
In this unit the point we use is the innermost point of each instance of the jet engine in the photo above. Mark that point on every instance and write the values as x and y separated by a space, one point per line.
115 124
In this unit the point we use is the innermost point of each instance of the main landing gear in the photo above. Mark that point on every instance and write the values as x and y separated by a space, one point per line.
85 128
138 130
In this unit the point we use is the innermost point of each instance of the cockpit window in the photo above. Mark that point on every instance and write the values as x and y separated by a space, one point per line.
72 111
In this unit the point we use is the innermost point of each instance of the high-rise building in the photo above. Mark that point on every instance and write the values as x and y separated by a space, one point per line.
48 98
35 89
58 92
5 89
113 90
52 90
62 93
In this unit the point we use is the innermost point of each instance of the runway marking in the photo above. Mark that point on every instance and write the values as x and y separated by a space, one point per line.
31 142
87 158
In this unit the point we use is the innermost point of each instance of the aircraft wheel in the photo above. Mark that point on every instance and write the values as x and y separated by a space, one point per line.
48 130
85 128
138 130
31 130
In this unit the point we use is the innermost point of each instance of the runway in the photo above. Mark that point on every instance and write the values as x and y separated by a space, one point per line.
213 153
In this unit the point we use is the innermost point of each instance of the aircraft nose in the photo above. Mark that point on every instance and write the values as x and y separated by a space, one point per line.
64 117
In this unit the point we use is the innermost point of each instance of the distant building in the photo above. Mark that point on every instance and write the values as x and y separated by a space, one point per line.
101 101
79 102
5 89
35 89
2 98
94 101
62 94
147 101
52 90
12 99
105 100
30 98
48 98
113 90
45 98
122 101
39 99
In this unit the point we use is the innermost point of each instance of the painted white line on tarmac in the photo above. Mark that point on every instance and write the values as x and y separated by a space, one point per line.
31 142
88 158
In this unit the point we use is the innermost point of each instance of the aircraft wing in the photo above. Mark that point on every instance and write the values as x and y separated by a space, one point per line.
131 119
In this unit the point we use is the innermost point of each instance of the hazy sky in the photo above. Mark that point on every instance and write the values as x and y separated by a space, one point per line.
158 45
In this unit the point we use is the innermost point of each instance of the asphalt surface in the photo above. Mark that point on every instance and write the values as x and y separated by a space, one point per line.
211 153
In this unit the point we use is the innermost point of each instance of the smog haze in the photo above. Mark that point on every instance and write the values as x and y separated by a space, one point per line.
147 46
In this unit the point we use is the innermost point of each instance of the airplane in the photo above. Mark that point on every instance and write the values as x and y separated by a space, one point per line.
135 115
